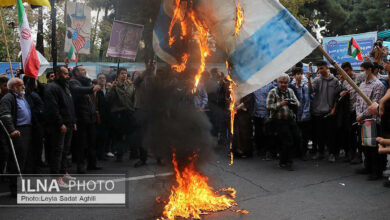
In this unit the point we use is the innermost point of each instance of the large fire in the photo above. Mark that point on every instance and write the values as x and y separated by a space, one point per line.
239 19
193 197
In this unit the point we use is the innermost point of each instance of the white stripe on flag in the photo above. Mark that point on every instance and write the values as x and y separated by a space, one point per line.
277 66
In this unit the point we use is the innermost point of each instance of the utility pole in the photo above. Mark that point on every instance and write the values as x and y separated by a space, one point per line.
39 46
53 33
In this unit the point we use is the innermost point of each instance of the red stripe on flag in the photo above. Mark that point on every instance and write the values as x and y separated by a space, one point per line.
79 42
355 44
360 57
31 67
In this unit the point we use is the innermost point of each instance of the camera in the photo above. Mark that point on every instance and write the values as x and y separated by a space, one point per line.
291 103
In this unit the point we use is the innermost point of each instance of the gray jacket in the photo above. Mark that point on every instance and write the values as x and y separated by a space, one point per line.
326 92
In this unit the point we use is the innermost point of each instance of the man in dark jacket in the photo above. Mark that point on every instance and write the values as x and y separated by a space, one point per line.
326 89
121 101
15 113
102 109
82 91
61 123
3 86
4 151
37 133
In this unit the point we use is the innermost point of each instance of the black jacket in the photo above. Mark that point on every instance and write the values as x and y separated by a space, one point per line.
59 107
9 107
102 107
82 91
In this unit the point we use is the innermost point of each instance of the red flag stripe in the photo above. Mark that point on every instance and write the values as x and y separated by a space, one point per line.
79 43
360 57
355 44
31 67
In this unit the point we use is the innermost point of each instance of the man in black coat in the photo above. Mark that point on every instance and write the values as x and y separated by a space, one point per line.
15 113
82 91
61 122
102 113
4 151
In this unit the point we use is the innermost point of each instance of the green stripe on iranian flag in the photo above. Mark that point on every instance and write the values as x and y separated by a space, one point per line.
29 55
21 13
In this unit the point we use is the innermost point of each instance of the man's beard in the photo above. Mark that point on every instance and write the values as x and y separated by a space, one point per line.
21 92
63 81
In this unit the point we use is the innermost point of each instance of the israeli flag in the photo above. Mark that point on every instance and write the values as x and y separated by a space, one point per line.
270 41
160 34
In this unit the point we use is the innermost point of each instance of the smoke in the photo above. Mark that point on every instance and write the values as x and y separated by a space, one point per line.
171 121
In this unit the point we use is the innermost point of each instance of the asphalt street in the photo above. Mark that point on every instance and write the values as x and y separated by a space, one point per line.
315 190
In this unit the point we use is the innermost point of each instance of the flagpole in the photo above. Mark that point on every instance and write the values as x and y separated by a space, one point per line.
345 75
53 15
6 42
117 69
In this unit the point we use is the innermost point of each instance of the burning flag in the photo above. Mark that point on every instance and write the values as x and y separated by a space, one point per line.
193 197
183 20
261 38
270 40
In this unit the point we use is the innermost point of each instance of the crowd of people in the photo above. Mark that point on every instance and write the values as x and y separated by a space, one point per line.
306 115
319 115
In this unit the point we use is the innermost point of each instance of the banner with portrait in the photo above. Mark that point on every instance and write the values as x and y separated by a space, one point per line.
78 28
124 41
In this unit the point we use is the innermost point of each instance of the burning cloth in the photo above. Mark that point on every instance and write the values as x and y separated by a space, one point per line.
269 42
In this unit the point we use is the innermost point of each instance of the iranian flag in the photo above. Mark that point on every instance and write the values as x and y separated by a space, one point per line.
354 50
29 54
72 54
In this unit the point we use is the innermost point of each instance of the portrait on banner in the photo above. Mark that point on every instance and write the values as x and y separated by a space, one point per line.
124 41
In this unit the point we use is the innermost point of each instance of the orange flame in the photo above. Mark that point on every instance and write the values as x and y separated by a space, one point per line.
183 25
241 211
233 111
239 19
192 196
176 16
232 102
202 37
171 40
182 66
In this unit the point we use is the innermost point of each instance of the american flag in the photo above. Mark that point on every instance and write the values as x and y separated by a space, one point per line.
79 42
